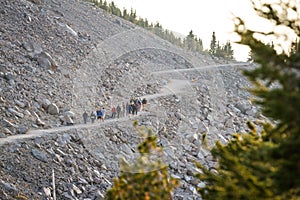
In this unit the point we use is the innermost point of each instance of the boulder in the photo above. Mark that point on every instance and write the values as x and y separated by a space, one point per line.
32 47
16 113
53 109
20 103
253 112
99 195
39 122
66 120
47 191
8 186
179 116
39 155
243 106
69 114
45 103
9 123
22 129
46 61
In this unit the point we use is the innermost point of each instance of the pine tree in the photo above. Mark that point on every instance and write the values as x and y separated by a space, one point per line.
218 50
146 178
228 51
264 164
104 6
213 44
114 9
199 45
158 30
191 44
191 41
132 16
125 15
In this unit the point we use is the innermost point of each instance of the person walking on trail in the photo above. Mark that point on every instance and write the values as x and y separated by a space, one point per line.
101 115
127 110
93 116
103 111
118 111
144 103
139 101
113 112
134 107
85 116
124 109
130 108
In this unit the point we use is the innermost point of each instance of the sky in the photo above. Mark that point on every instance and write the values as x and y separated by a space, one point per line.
202 16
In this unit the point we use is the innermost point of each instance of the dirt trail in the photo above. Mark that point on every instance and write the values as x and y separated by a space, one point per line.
199 68
43 132
174 86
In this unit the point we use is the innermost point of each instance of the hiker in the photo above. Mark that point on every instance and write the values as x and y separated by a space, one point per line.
103 111
118 111
130 107
127 110
139 103
93 116
124 109
144 102
85 116
113 112
135 107
99 114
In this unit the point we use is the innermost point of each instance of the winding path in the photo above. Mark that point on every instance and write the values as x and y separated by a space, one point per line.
174 86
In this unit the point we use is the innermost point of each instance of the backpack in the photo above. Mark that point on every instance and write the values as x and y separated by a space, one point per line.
99 113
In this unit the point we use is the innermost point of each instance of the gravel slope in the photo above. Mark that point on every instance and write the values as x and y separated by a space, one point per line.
60 57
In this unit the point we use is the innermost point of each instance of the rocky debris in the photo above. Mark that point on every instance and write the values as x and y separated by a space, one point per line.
128 67
40 46
46 61
86 160
67 118
54 64
78 175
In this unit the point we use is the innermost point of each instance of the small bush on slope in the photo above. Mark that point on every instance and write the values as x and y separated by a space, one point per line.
146 178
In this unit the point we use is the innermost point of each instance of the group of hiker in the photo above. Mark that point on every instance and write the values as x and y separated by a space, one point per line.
129 109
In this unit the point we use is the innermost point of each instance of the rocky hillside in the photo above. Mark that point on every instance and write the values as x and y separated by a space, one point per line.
59 58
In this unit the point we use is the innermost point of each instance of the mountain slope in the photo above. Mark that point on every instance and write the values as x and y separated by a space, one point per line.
64 57
51 50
